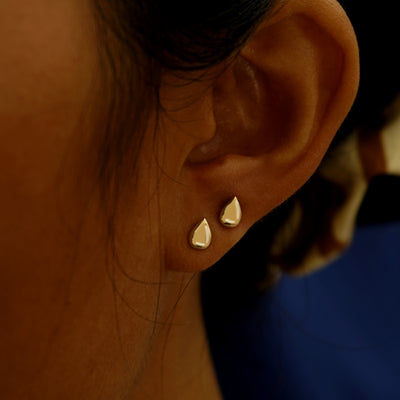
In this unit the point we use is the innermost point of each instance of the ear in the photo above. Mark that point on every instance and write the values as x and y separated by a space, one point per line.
262 129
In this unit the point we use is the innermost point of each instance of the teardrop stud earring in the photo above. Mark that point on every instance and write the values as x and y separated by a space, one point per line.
200 237
231 215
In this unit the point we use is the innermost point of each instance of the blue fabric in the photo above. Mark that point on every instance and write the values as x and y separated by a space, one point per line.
334 335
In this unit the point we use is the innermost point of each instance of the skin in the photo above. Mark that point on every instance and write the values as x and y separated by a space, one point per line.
75 324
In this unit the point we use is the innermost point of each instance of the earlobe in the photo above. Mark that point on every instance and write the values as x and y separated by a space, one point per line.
276 110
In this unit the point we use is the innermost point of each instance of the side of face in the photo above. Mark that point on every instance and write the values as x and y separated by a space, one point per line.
57 289
57 298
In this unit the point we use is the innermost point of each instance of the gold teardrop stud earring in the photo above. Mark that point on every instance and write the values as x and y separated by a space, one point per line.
200 237
231 215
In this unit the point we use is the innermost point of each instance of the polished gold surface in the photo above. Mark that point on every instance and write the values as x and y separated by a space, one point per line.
200 237
231 215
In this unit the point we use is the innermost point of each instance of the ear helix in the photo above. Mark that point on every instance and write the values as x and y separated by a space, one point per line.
230 217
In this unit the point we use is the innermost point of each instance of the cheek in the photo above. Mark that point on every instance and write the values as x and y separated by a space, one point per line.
57 300
45 74
46 64
45 69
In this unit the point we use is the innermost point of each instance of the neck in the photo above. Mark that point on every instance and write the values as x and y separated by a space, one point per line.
180 364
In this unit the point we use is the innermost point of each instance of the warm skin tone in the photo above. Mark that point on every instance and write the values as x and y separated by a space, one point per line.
265 123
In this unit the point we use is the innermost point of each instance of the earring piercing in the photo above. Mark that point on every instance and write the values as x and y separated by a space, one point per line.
200 237
231 215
